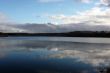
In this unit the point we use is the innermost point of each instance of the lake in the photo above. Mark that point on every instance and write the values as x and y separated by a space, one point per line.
54 55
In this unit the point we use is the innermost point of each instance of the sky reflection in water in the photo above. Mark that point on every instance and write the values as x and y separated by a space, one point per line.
32 56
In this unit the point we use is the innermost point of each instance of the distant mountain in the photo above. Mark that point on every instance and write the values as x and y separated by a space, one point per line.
51 28
39 28
10 28
85 27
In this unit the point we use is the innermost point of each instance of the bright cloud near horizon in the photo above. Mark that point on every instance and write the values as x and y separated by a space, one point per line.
55 11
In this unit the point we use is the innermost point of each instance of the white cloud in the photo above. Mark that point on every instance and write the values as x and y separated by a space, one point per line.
103 2
95 15
85 1
48 1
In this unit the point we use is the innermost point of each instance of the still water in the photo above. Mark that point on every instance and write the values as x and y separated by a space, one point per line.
54 55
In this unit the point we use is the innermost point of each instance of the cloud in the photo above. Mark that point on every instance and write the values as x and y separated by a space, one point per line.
85 1
102 2
96 15
3 18
48 1
105 2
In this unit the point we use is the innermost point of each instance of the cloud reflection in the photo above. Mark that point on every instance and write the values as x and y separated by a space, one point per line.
94 54
95 57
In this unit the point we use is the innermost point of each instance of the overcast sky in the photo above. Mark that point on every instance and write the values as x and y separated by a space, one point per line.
55 11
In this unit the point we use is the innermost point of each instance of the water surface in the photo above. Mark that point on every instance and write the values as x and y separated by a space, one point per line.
42 55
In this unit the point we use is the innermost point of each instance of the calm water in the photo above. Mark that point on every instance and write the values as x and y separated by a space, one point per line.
54 55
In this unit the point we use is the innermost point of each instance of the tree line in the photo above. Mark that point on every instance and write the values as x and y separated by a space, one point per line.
66 34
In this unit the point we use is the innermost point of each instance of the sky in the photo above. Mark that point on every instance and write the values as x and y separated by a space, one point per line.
55 11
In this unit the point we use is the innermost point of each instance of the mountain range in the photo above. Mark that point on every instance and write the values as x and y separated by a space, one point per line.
50 28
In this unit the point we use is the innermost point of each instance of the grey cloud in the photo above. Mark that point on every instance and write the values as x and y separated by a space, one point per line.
105 3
